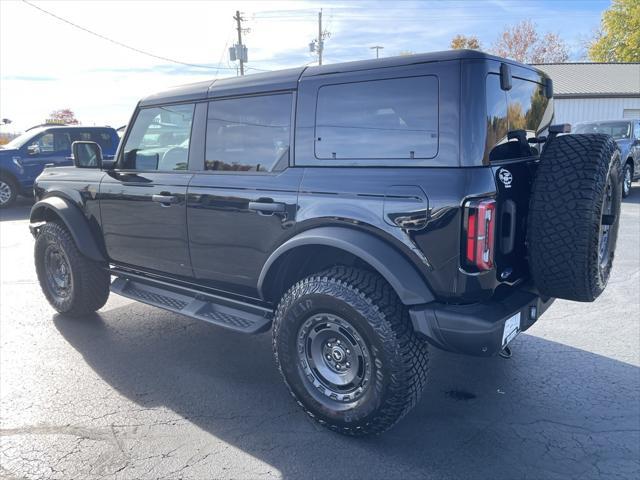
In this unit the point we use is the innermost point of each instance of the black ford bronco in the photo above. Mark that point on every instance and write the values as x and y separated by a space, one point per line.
362 211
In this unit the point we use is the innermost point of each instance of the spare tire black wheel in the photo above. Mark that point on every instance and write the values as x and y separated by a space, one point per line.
574 216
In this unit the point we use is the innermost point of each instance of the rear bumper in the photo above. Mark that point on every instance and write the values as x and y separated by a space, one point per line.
476 329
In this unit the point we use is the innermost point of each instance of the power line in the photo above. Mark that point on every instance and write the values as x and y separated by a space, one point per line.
137 50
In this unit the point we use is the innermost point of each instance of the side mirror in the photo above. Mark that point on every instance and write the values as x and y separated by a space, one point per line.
86 154
33 149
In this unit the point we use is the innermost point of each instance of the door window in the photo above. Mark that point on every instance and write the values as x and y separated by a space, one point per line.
159 139
51 142
379 119
249 134
101 137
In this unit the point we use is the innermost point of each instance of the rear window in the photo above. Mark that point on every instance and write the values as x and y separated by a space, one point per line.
524 107
379 119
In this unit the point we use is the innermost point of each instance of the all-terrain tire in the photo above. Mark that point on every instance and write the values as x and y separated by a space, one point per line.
88 281
577 179
8 190
370 307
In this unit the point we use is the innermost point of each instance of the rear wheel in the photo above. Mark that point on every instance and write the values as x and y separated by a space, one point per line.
72 283
574 216
345 347
8 191
627 176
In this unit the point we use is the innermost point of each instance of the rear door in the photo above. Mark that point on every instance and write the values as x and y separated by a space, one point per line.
143 200
242 205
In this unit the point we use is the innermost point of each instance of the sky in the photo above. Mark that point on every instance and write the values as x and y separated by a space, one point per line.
47 64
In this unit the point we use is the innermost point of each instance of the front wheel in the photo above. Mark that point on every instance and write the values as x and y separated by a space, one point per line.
345 347
8 191
73 284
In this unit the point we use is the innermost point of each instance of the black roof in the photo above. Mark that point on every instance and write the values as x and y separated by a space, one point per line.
288 79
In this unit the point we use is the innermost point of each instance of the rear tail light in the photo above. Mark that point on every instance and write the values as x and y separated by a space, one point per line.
480 222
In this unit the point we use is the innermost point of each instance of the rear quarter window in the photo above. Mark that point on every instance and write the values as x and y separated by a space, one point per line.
378 119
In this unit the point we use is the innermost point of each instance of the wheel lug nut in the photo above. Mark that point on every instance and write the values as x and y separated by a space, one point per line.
348 364
348 351
338 342
328 357
329 344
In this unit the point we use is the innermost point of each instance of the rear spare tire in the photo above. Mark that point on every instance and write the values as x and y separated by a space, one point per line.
574 216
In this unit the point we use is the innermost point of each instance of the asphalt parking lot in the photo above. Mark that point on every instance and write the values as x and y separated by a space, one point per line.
137 392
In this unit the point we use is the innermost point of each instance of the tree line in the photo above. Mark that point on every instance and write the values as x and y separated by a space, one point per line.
617 39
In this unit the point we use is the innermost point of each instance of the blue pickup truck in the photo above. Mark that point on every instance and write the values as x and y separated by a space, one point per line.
24 158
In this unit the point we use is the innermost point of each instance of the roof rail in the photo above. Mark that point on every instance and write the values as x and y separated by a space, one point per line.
47 125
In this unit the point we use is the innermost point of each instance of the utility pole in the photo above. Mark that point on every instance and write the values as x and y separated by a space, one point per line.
320 40
238 20
377 49
317 45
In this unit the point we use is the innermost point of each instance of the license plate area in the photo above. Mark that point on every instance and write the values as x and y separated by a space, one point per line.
511 329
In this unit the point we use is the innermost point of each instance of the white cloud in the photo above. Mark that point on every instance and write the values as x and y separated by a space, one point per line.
46 64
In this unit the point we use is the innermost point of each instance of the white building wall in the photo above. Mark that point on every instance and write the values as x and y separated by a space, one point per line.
576 110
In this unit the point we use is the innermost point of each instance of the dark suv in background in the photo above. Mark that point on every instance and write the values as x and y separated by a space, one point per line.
361 211
626 133
24 158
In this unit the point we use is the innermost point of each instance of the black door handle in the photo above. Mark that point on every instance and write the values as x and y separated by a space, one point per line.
165 200
266 207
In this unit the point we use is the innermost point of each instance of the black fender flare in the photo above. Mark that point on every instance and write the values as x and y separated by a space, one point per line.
73 219
396 269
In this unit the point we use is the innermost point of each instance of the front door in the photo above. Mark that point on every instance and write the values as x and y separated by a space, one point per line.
50 147
243 205
143 200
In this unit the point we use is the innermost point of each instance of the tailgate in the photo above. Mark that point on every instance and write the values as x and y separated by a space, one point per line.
513 184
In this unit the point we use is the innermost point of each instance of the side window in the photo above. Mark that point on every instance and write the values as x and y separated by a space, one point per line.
249 134
378 119
159 139
102 138
51 142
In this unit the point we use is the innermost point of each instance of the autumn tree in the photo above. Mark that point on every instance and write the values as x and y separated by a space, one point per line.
618 39
524 43
462 41
64 115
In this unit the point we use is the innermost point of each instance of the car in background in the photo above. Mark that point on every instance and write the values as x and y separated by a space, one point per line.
626 133
24 158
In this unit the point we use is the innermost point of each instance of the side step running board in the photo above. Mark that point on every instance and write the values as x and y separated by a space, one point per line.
234 315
